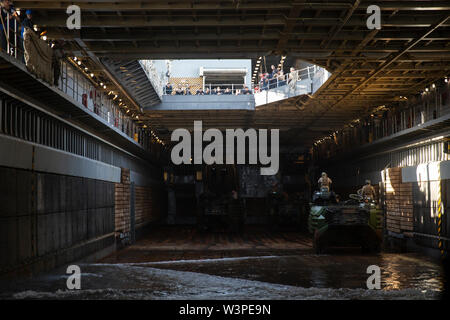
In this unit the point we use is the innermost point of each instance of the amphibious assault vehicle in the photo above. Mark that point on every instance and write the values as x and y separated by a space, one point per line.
352 223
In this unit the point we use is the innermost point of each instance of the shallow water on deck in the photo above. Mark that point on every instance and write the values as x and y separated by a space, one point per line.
262 271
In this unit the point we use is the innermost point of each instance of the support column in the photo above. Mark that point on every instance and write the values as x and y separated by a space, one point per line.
122 208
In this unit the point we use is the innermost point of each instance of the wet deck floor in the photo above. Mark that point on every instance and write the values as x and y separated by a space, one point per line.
179 263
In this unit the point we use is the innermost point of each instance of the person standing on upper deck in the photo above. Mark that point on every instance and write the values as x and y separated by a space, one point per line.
246 90
168 88
273 77
292 80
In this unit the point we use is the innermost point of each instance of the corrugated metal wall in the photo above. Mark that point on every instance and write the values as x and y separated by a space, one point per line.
26 123
47 219
411 201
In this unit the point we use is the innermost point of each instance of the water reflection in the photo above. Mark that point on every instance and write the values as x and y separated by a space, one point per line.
398 271
404 276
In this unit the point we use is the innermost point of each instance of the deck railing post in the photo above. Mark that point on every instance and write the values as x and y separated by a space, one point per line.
15 39
8 49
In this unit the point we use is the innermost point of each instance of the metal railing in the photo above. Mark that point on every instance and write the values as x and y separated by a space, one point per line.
73 83
24 122
211 89
414 113
283 86
279 80
76 86
10 38
268 89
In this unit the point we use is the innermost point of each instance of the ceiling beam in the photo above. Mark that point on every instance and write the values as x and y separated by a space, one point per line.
125 5
294 13
130 21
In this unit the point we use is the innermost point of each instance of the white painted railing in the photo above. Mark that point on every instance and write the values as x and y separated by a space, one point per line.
297 82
